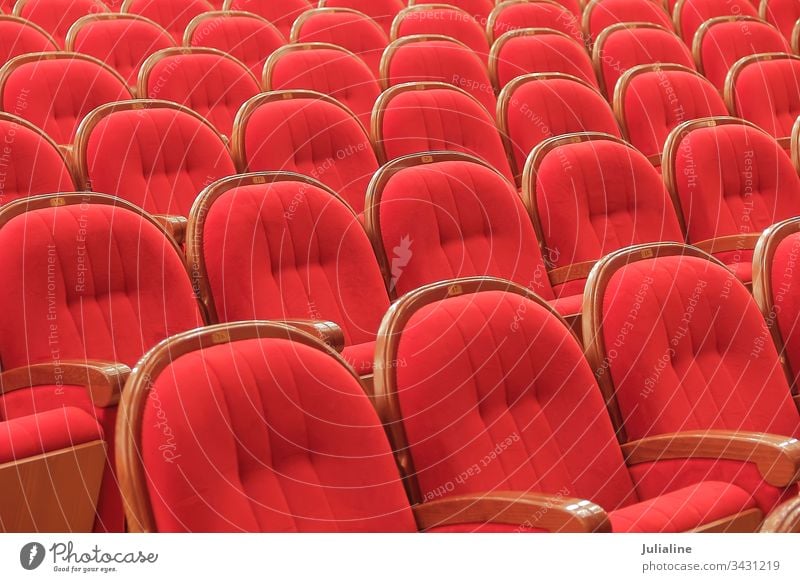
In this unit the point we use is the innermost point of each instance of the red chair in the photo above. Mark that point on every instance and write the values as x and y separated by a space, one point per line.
56 16
381 11
600 14
19 36
492 377
689 15
515 14
591 194
310 134
442 19
173 15
782 14
281 13
477 9
421 117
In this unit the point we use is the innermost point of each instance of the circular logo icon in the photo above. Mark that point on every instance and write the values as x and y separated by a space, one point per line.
31 555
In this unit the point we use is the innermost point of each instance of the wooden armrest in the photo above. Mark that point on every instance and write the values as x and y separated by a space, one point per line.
174 225
777 457
783 519
571 272
733 242
328 331
554 513
103 380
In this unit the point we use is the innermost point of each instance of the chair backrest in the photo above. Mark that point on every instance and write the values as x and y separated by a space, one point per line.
121 41
205 80
514 14
782 14
538 50
31 162
115 282
621 47
722 41
327 69
696 354
279 245
442 215
442 19
477 9
651 100
542 105
381 11
765 89
56 16
307 133
600 14
730 180
156 154
591 194
55 91
689 15
281 13
173 15
346 28
245 36
475 373
437 58
297 411
420 117
19 36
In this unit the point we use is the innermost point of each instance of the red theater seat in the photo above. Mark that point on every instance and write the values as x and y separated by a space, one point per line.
346 28
696 357
282 246
440 215
765 89
121 41
381 11
156 154
19 37
327 69
281 13
514 14
56 16
591 194
427 19
536 107
173 15
731 181
436 58
205 80
651 100
422 117
477 9
55 91
111 285
689 15
722 41
245 36
600 14
782 14
490 372
538 50
31 162
621 47
307 133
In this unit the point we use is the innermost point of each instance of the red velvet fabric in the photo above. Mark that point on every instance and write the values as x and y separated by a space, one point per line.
251 40
214 86
57 94
695 12
724 43
610 12
536 15
56 16
356 32
449 22
159 159
441 119
598 196
121 44
444 61
173 15
52 430
768 94
289 250
786 299
478 9
731 180
17 38
332 72
29 164
543 53
655 102
381 11
270 436
782 14
696 353
281 13
315 138
540 109
627 47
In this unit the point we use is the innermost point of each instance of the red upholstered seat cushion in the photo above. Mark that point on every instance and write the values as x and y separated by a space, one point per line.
782 14
360 356
56 16
448 21
786 298
281 13
159 159
315 138
18 38
173 15
609 12
28 436
478 9
381 11
516 15
695 12
273 436
441 119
